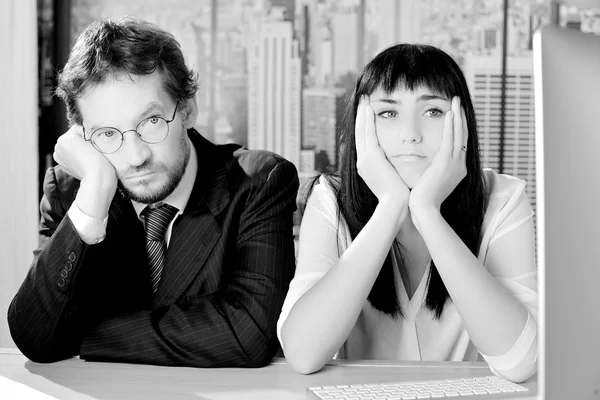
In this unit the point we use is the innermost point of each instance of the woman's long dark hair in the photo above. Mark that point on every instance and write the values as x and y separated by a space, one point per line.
411 66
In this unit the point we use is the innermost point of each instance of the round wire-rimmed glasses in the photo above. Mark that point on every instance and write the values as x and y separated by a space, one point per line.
151 130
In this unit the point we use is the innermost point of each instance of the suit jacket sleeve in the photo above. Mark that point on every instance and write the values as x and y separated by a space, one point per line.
235 327
44 316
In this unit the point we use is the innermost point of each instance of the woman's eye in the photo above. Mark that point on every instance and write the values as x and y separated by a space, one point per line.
434 112
387 114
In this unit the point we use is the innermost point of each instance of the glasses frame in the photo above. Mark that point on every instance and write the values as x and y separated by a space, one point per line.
130 130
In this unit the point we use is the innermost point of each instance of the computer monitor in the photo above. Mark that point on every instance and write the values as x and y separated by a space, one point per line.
567 110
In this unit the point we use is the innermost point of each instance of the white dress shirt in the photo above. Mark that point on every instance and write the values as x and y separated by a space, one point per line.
92 230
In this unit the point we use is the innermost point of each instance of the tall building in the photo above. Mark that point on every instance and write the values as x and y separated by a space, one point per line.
322 113
232 103
323 72
201 62
400 22
318 44
274 90
483 74
345 41
289 7
488 40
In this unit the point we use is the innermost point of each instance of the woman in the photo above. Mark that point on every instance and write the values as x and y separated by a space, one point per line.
414 252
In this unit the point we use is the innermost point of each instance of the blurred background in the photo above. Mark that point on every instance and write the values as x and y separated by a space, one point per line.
274 75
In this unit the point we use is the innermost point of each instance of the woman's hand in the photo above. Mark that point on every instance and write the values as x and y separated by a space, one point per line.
448 168
372 164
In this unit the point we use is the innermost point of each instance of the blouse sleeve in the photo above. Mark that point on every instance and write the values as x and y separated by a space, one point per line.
318 248
510 258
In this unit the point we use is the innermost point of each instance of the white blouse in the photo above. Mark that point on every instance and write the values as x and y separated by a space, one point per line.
418 336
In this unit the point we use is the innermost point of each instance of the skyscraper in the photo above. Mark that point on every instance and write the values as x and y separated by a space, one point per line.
400 21
345 40
289 7
483 75
274 90
322 113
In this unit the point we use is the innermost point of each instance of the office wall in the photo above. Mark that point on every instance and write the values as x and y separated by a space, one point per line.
18 149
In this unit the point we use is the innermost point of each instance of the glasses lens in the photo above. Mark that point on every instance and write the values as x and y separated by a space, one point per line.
107 140
153 129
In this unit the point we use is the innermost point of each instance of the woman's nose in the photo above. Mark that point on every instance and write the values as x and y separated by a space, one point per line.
410 132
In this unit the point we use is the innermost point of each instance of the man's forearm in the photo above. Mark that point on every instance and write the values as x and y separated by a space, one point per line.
215 333
42 316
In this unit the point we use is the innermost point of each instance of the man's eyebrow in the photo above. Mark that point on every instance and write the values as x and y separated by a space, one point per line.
151 107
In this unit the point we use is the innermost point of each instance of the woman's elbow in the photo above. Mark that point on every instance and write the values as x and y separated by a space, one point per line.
302 361
304 365
520 373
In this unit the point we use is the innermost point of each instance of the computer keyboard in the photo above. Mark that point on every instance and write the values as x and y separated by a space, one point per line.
430 389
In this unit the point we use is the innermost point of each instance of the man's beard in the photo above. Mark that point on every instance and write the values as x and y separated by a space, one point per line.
175 173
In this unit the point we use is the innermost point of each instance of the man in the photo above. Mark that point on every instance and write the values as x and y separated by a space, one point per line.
157 246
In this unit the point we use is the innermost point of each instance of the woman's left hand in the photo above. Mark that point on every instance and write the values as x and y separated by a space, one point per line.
448 167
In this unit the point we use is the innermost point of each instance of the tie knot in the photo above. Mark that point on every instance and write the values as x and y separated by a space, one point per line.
158 220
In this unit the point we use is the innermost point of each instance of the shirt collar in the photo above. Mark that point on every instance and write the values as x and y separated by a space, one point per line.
180 196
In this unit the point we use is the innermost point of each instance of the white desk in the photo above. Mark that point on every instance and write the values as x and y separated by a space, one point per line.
77 379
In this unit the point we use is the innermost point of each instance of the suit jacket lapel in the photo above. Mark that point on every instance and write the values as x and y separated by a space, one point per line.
197 231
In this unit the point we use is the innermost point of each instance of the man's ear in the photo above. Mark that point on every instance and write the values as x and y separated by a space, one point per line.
190 109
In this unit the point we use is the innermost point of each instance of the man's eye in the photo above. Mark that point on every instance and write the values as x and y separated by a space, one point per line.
153 120
106 134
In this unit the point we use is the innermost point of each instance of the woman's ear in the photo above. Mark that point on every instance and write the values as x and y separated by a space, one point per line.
190 110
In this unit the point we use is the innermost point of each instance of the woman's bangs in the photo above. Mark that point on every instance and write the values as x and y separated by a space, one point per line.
398 74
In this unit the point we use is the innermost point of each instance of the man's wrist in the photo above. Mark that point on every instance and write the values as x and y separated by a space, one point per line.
91 230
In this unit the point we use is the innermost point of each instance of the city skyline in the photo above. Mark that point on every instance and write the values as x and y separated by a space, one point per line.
322 45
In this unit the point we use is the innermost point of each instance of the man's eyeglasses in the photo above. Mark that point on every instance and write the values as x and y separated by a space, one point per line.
151 130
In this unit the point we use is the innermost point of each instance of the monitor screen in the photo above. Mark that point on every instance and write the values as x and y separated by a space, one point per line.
567 109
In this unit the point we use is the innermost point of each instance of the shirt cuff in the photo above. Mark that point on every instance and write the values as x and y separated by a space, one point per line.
91 230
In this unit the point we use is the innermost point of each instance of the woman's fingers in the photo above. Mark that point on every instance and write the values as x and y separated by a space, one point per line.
457 128
465 129
447 135
359 128
371 141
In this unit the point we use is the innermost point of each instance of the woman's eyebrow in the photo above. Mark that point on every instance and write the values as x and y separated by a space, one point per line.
386 100
426 97
423 97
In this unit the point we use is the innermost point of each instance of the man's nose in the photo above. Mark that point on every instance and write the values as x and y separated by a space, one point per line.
135 150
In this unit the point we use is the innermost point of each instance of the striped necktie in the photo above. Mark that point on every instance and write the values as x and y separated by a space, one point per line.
157 224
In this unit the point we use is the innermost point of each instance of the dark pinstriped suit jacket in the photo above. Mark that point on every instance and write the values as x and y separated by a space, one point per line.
226 274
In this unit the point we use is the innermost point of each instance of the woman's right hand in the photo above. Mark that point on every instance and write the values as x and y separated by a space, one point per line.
372 164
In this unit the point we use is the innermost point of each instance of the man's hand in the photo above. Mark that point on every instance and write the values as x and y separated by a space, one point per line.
98 177
78 157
